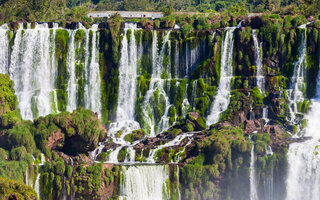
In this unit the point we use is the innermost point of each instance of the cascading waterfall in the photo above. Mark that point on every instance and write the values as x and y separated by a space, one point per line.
32 71
157 84
222 97
90 64
253 184
4 48
191 56
37 183
92 73
259 63
265 115
32 66
194 93
295 93
27 176
176 141
269 185
303 179
185 103
127 75
144 182
72 85
127 93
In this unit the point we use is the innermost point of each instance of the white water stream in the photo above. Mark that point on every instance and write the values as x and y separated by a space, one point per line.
32 65
259 64
295 93
147 182
303 179
222 97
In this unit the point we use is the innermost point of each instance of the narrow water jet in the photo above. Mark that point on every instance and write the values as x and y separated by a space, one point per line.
259 62
253 182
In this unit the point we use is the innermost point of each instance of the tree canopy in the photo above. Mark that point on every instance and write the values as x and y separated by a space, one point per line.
75 10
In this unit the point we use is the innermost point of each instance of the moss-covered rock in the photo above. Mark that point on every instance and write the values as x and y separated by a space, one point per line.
136 135
12 189
197 120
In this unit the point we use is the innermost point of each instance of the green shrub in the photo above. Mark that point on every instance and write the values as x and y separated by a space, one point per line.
16 189
18 153
20 135
4 155
298 20
69 171
136 135
59 168
156 23
187 29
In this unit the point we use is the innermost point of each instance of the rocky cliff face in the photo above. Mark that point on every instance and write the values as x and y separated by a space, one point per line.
157 92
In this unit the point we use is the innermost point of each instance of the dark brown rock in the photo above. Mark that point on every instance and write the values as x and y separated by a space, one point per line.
55 140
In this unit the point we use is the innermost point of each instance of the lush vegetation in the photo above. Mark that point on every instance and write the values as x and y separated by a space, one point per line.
11 189
76 10
22 141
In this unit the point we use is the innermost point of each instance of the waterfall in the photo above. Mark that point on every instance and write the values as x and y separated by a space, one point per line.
32 71
37 183
27 176
303 179
176 141
72 85
32 65
253 184
295 93
259 63
265 115
157 84
92 73
268 187
4 49
144 182
194 94
127 75
222 97
127 94
185 104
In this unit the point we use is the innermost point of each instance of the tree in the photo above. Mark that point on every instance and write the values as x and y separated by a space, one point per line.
135 4
168 10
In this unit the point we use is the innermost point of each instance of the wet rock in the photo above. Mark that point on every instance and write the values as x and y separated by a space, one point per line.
55 140
299 140
251 126
197 120
256 22
221 124
273 130
110 145
72 25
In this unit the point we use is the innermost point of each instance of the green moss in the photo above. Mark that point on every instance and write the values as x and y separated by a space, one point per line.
109 44
59 168
136 135
122 154
225 153
61 51
16 189
257 95
172 115
103 156
13 169
298 20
